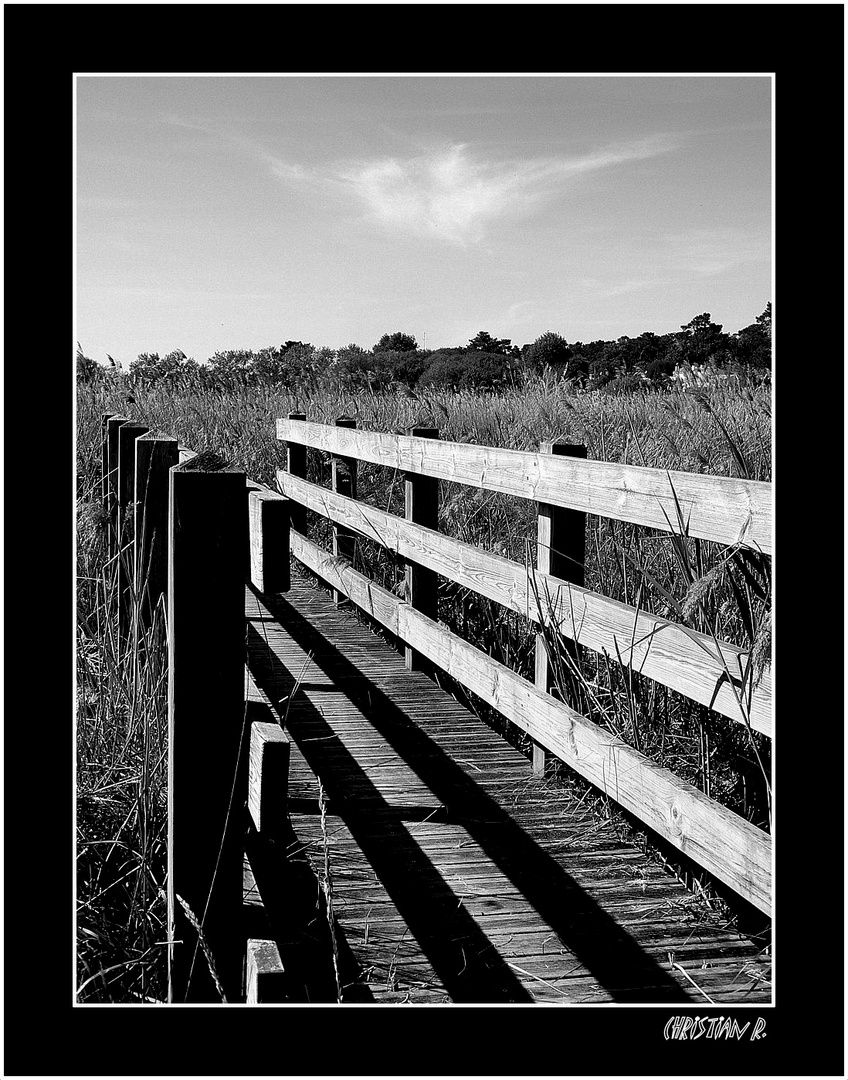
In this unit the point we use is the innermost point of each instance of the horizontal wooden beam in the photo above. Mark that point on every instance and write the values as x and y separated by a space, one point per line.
376 601
718 508
723 842
710 672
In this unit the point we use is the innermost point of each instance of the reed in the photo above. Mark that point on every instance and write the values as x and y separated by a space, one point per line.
724 593
121 793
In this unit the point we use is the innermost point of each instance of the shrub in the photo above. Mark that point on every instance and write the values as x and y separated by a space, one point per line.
460 370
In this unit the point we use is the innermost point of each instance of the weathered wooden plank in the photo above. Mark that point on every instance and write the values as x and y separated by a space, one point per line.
713 673
376 601
722 842
723 509
737 852
498 890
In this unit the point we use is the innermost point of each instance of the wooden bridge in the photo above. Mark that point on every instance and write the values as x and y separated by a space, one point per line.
343 827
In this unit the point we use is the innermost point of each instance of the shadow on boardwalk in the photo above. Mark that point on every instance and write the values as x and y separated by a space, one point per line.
465 960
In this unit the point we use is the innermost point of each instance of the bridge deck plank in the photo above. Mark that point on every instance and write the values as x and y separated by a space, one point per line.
456 875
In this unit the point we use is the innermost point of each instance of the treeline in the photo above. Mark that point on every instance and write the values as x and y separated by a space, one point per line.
485 362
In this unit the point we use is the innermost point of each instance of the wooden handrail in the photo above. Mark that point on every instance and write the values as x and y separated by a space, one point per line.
714 673
722 509
710 672
718 839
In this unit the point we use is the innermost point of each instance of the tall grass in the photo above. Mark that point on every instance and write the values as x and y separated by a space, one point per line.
121 786
725 593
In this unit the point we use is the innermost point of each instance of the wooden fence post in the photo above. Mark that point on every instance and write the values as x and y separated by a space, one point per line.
268 777
269 558
104 471
206 729
344 482
296 466
265 976
561 551
113 424
422 507
127 584
154 457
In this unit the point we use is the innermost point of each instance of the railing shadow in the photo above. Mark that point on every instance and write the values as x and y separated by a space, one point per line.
460 952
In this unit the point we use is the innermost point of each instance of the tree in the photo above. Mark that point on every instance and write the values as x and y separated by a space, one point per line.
703 340
462 369
151 368
232 360
753 343
549 350
404 367
484 342
397 342
284 363
352 365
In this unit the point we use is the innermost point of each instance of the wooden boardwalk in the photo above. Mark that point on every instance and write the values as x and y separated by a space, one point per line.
455 874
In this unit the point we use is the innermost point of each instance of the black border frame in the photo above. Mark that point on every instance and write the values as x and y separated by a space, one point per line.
45 45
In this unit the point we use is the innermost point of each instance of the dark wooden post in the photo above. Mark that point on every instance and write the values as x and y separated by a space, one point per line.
104 472
422 507
344 483
113 424
154 457
206 723
127 584
561 551
296 465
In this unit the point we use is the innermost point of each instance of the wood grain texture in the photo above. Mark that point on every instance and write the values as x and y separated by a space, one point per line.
724 843
456 875
713 673
376 601
716 838
723 509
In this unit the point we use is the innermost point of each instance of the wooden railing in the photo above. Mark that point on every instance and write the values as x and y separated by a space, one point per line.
184 532
564 485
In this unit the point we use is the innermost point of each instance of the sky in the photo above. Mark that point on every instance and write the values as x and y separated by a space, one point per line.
240 211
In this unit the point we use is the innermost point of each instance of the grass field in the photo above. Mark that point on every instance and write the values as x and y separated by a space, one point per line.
121 714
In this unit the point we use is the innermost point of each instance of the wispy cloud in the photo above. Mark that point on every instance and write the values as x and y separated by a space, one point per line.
455 196
450 193
710 252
